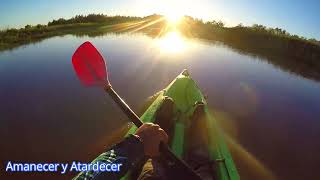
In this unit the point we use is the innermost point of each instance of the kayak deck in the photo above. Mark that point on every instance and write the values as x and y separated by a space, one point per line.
185 93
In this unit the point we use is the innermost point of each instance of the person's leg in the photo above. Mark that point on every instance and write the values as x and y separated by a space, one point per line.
197 155
149 171
164 116
153 169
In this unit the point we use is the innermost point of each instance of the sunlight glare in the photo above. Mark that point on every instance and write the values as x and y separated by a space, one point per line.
173 12
171 43
173 17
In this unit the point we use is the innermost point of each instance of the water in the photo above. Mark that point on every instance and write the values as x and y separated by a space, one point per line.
270 115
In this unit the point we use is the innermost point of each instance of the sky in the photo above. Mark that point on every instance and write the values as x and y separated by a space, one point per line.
301 17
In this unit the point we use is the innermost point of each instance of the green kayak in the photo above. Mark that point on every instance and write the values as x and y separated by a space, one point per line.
185 93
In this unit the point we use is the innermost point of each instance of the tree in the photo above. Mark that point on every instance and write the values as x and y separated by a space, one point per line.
259 27
313 40
240 25
39 26
216 23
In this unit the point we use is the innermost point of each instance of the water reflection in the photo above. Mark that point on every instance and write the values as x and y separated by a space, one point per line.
172 42
264 109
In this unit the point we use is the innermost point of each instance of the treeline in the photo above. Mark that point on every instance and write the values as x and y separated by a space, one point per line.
14 37
255 28
278 32
293 53
93 18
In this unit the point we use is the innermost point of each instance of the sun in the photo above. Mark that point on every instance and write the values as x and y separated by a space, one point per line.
173 17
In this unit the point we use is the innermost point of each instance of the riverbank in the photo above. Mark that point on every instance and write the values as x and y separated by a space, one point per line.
291 52
93 24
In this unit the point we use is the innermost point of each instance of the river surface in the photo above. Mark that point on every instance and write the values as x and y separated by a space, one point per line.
271 116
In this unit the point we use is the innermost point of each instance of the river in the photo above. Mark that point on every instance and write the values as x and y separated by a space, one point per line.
271 116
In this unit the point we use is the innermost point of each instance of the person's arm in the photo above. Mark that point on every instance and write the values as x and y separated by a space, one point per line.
129 152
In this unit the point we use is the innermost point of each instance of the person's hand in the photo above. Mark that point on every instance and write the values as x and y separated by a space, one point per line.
151 135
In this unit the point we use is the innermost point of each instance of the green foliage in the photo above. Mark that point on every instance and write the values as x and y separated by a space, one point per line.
14 37
215 23
260 29
292 52
92 18
27 26
240 25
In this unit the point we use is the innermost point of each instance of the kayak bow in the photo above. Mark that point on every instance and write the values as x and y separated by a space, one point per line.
185 93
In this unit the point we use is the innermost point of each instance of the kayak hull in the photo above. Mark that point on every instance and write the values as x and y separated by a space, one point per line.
185 93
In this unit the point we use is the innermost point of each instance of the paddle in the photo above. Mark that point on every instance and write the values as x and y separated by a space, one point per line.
92 71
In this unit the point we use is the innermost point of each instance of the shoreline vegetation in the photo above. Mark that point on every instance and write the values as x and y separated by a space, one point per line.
291 52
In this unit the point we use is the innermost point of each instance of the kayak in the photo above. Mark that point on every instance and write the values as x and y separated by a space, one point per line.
185 93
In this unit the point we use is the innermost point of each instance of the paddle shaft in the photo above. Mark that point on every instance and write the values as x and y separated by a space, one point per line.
164 149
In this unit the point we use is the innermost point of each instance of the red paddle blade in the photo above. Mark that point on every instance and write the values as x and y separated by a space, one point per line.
90 65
